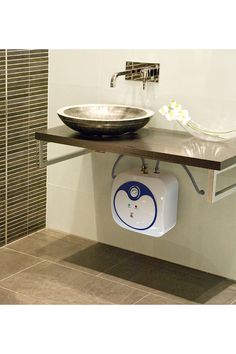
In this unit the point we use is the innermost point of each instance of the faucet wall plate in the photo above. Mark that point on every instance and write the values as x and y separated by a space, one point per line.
153 73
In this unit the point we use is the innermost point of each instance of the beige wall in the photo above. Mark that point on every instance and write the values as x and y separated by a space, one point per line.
79 189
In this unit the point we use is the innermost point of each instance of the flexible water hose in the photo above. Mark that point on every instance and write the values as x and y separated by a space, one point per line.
144 166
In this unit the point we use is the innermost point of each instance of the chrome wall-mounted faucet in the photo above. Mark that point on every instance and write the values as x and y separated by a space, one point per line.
137 71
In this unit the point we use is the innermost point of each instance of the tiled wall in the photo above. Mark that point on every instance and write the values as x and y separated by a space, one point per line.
23 110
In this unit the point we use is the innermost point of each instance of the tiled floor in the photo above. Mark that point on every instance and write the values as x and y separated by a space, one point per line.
49 267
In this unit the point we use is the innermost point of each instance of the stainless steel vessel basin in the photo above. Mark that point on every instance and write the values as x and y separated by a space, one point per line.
104 119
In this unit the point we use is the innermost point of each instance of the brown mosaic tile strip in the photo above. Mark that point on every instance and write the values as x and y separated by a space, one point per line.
27 111
13 183
15 193
17 136
27 97
14 117
17 91
17 85
19 224
37 203
2 143
36 215
23 100
13 201
19 204
18 107
16 207
38 112
38 81
39 219
16 218
37 97
15 174
17 76
17 155
18 233
3 146
42 60
37 226
37 206
2 185
13 157
36 194
21 146
15 180
34 115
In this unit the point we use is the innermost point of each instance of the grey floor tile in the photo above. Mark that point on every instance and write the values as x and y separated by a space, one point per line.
65 236
151 299
167 280
96 258
220 295
133 296
12 262
47 246
71 251
122 277
8 297
55 283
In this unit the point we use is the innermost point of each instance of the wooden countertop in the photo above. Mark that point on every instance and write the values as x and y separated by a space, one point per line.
165 145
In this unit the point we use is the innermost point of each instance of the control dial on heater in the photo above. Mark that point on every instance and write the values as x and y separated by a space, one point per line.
135 205
134 192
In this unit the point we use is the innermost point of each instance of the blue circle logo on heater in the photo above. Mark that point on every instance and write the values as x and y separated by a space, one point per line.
134 192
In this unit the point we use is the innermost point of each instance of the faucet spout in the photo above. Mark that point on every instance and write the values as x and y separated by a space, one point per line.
115 76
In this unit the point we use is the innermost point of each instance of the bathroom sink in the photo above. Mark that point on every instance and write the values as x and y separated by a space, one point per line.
104 119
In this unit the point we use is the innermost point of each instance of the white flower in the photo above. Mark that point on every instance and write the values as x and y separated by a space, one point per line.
174 111
164 110
175 106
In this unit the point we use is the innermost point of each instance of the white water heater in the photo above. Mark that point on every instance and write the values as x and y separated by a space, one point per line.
145 203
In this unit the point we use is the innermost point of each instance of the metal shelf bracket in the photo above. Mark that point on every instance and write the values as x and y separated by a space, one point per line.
213 194
44 162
